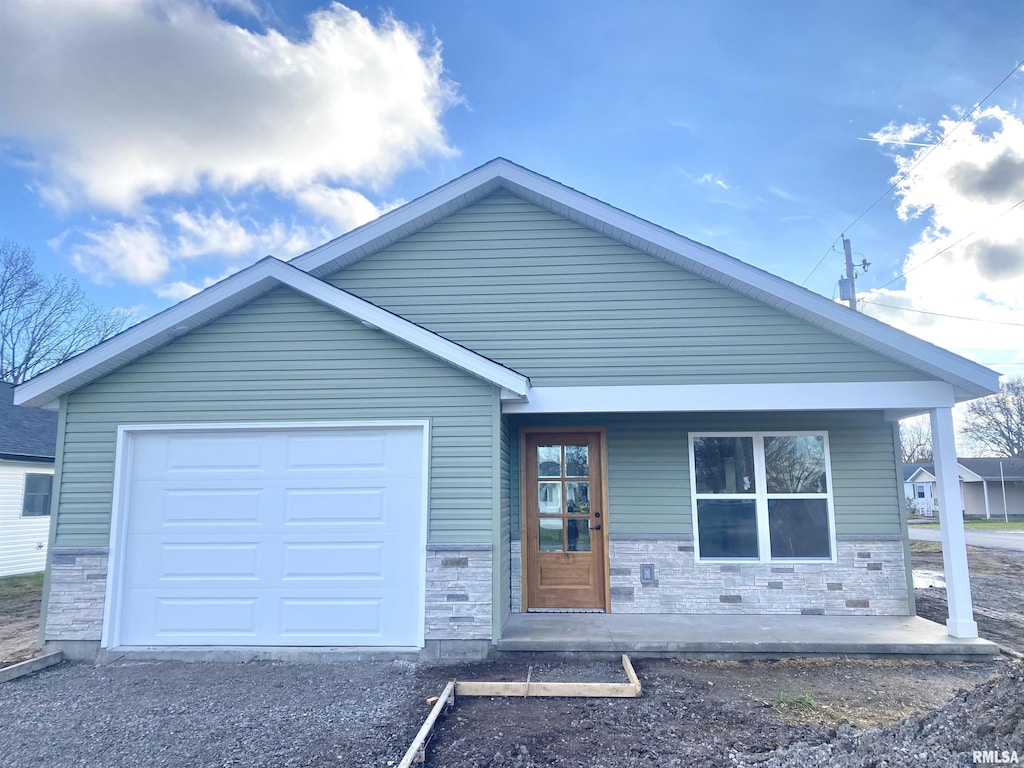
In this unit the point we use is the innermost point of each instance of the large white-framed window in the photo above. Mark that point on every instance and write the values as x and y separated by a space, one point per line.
762 496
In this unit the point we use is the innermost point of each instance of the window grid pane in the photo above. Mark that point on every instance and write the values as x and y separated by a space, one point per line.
788 488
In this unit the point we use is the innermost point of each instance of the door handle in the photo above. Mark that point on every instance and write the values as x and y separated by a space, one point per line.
597 527
597 515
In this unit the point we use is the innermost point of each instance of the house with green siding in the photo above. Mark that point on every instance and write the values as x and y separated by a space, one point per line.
501 401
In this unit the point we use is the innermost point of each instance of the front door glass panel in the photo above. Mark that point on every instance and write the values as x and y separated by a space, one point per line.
563 498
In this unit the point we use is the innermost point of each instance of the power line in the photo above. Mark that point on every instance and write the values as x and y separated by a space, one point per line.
907 172
905 272
940 314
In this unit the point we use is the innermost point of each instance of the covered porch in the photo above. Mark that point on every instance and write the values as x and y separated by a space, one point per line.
728 636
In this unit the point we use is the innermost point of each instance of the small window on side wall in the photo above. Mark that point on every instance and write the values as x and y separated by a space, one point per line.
762 496
38 488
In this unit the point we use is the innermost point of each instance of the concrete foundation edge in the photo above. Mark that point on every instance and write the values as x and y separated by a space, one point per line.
89 651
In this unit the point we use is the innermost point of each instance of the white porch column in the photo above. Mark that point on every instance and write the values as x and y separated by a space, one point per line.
951 526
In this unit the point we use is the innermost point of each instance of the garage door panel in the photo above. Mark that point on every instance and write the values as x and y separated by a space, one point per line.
224 617
205 561
327 618
321 543
334 505
323 561
160 454
356 452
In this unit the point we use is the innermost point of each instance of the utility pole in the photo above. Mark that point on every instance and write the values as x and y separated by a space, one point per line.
848 284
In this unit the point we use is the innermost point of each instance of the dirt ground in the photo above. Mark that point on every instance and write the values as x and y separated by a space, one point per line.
692 713
19 618
997 576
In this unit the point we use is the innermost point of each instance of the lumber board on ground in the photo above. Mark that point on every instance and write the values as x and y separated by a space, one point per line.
630 690
415 752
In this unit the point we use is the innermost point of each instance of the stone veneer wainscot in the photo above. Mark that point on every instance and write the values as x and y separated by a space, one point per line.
867 579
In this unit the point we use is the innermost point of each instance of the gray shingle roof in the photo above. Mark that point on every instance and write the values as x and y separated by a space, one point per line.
988 469
25 432
910 469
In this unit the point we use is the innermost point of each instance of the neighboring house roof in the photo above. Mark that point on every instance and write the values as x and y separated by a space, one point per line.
305 273
232 293
909 470
971 470
25 433
989 469
969 379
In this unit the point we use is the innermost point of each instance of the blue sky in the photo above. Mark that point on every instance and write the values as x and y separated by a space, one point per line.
149 148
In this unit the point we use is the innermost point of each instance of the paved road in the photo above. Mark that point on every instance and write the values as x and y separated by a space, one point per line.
991 539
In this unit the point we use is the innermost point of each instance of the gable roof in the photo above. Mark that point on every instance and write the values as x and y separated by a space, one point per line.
995 469
25 433
969 380
910 470
234 292
972 470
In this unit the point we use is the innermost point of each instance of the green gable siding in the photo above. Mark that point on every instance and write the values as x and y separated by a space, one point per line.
567 306
284 358
648 467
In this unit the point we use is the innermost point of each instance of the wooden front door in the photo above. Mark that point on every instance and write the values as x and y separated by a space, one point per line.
564 520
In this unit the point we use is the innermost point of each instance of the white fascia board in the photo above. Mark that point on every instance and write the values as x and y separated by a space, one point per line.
967 475
148 335
921 475
233 292
403 221
736 397
403 330
970 378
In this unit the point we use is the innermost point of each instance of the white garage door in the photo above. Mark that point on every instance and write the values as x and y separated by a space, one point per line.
266 537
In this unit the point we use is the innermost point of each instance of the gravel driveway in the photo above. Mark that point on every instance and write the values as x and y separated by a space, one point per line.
177 714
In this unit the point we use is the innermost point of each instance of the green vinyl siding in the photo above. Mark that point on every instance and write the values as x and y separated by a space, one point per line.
284 357
648 466
568 306
502 562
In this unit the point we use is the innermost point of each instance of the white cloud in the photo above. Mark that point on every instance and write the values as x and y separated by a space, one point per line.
134 252
179 290
712 179
121 100
965 193
201 234
898 135
346 208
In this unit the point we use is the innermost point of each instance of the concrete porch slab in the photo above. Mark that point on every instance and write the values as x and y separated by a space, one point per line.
735 637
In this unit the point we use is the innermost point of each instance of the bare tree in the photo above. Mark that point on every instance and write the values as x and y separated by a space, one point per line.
916 440
994 425
43 322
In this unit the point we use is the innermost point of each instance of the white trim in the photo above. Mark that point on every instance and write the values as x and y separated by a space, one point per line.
111 632
971 379
734 397
920 470
961 621
761 497
234 292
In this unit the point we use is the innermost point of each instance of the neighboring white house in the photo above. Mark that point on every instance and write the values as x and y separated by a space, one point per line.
919 489
989 487
27 440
